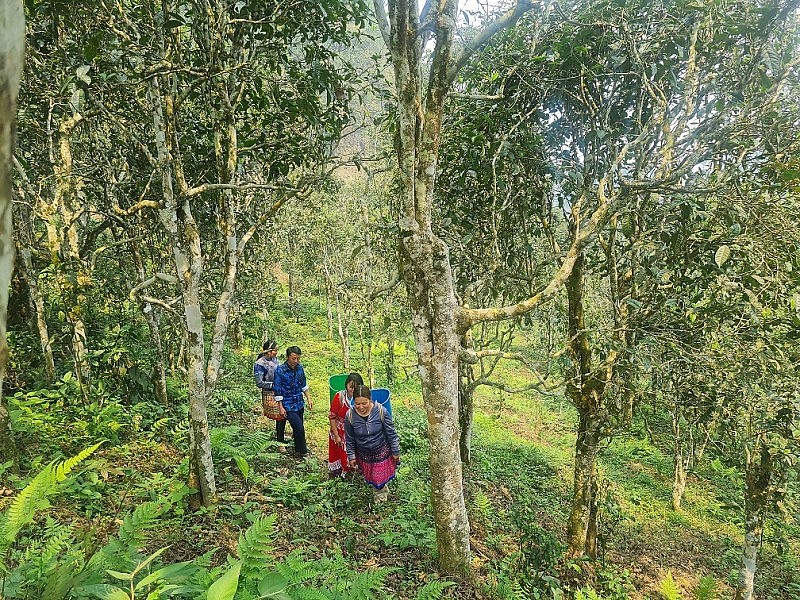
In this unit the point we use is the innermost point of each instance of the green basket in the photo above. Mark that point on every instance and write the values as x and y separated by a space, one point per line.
336 384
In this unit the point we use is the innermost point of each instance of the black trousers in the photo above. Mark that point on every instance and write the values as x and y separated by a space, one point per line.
295 418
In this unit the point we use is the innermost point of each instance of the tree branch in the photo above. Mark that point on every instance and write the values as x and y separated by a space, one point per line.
383 21
503 22
387 287
239 187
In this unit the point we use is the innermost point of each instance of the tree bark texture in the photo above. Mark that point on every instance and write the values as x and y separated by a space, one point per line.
437 320
25 236
425 265
758 476
585 389
73 273
466 407
176 218
31 280
678 464
12 50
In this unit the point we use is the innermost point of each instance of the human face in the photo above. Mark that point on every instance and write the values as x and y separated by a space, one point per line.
351 385
363 405
293 360
272 353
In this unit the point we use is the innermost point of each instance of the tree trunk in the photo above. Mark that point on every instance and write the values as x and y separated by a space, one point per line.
367 258
592 530
585 390
344 333
237 334
437 321
758 476
579 523
466 410
390 358
291 285
65 249
678 481
12 48
329 307
466 406
25 238
159 375
187 254
29 274
433 305
678 464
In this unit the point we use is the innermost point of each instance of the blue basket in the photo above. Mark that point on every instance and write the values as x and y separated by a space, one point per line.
383 396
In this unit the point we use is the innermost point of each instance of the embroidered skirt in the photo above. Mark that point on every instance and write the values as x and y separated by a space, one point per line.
377 466
272 409
337 455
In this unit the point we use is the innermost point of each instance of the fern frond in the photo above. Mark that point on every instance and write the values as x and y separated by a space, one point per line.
222 442
64 467
204 561
363 585
669 589
60 581
256 442
255 544
304 593
434 589
33 498
706 588
30 500
143 517
296 570
58 538
130 537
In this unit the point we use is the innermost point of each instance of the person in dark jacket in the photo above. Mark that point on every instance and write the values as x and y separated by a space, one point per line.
264 375
372 442
291 393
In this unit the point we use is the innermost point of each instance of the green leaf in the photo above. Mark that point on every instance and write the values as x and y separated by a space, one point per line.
669 589
225 587
166 573
81 73
271 584
105 591
119 575
244 466
722 255
706 588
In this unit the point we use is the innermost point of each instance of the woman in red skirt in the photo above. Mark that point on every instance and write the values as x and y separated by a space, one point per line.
341 403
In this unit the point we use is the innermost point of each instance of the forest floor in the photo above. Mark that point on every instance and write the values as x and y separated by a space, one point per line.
519 485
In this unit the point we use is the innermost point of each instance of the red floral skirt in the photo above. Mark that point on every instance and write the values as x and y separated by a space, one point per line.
337 455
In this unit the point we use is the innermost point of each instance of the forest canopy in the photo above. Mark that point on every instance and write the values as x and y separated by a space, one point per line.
564 236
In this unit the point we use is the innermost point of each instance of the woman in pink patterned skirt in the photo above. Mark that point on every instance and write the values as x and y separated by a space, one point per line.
371 440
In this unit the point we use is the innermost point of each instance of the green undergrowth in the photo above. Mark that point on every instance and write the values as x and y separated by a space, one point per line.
122 516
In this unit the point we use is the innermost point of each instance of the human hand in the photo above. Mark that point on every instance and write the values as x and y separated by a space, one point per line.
396 460
351 463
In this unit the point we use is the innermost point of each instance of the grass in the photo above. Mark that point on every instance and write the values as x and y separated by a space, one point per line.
519 486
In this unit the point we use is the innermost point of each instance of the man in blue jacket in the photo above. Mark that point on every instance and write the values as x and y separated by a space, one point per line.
291 389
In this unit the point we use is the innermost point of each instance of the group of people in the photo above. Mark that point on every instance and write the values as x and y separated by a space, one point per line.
362 434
